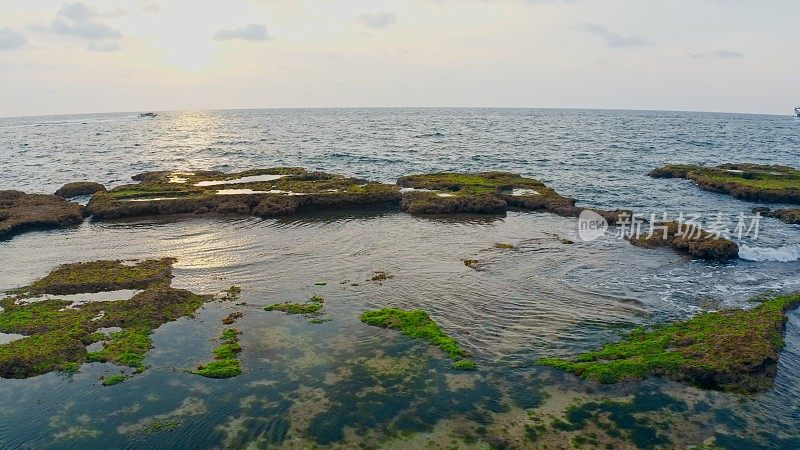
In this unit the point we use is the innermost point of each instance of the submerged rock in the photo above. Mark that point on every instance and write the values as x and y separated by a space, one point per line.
20 212
770 183
727 350
79 188
418 324
690 240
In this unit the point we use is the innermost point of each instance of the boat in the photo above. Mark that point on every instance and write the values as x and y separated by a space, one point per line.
148 114
797 111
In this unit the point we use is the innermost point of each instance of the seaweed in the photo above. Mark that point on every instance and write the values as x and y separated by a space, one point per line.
57 332
226 358
727 350
418 324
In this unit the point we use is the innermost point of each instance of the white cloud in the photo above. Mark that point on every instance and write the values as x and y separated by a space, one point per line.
611 38
718 54
103 46
251 32
381 19
151 7
10 39
81 20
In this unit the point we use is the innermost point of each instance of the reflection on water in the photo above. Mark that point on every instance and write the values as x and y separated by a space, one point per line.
342 383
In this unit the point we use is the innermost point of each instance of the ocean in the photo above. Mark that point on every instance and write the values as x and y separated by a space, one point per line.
337 383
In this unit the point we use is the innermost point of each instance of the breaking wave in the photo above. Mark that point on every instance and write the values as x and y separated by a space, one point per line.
787 253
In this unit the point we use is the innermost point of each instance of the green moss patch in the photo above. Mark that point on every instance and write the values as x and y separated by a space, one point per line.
100 276
311 307
746 181
113 379
226 358
418 324
58 332
727 350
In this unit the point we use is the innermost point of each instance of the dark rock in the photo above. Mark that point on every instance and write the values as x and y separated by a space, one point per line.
20 212
79 188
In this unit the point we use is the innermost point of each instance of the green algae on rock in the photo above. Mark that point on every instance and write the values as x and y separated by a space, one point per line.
418 324
688 239
226 362
260 192
113 379
58 331
727 350
772 183
485 193
20 212
101 276
79 188
312 306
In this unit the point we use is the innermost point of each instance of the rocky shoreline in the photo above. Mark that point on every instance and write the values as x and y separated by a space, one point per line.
770 183
281 191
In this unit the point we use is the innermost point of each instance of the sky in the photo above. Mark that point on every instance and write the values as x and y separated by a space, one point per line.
64 57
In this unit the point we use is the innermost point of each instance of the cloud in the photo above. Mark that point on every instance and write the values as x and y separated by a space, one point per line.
611 38
81 20
381 19
103 46
717 54
151 7
10 39
251 32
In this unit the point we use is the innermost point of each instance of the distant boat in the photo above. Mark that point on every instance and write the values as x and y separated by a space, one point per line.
148 114
797 111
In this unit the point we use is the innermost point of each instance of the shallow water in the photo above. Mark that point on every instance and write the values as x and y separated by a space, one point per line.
342 383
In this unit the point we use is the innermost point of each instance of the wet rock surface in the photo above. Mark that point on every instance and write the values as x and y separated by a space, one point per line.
688 239
79 188
261 192
772 183
20 212
788 215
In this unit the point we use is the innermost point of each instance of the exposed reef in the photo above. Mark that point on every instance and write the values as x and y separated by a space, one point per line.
689 240
79 188
770 183
20 212
788 215
260 192
226 358
418 324
727 350
58 330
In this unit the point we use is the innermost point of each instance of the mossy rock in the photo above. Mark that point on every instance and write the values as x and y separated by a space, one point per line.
101 276
728 350
57 332
419 325
688 239
79 188
279 191
20 212
771 183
